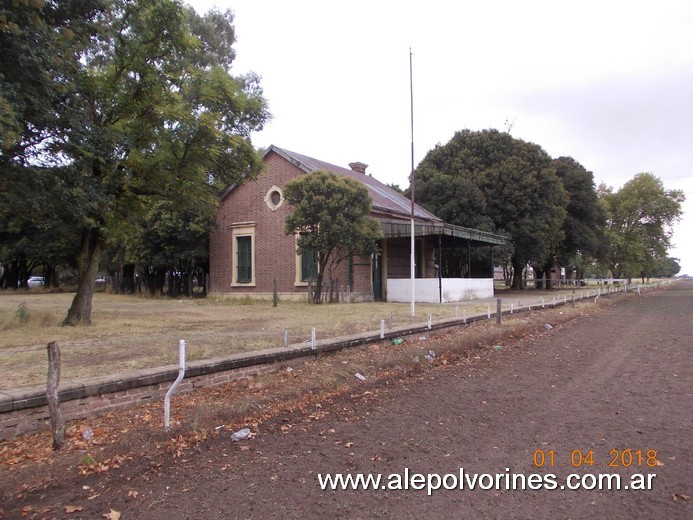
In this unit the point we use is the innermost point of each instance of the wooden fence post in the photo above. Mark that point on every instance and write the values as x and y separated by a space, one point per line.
56 416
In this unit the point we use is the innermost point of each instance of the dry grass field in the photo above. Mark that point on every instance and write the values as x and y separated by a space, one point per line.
133 332
130 332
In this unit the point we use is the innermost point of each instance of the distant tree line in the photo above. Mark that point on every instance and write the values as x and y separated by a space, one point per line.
551 209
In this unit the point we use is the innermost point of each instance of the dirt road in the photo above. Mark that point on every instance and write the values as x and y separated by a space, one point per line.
585 392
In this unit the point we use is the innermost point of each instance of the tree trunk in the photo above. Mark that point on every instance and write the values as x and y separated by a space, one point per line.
538 277
202 280
127 279
579 275
518 268
51 276
317 294
11 275
154 280
89 257
23 271
547 273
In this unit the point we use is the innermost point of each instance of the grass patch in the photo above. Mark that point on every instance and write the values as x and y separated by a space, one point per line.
131 332
28 318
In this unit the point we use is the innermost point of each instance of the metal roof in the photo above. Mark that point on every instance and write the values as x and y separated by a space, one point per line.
383 198
401 228
391 208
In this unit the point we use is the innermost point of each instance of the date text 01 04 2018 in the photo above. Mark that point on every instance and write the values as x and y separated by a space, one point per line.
580 458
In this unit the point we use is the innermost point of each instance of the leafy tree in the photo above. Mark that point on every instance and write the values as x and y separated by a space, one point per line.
396 188
174 245
331 215
40 44
143 110
39 47
585 217
35 225
639 225
666 268
491 181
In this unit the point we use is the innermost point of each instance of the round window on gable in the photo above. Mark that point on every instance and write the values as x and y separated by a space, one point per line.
274 198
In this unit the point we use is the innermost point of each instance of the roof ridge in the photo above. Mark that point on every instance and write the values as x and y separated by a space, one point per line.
383 197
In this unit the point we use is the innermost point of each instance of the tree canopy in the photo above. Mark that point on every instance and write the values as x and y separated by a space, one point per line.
640 217
491 181
585 216
331 216
134 104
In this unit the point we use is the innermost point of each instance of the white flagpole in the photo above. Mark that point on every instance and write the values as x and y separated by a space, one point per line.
412 266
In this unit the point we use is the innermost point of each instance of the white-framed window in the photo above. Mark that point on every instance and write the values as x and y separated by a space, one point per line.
243 255
274 198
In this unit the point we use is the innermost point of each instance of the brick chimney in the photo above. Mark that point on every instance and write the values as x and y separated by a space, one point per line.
358 167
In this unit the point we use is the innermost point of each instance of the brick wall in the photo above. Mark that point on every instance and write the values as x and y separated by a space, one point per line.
275 252
35 417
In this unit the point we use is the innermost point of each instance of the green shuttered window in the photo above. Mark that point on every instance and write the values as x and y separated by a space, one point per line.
245 260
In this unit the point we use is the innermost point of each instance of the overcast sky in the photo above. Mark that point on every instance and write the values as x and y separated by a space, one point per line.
609 83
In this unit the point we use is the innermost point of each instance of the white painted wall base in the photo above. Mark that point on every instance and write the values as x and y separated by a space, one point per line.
426 289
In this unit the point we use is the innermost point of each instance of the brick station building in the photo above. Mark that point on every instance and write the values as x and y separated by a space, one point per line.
249 250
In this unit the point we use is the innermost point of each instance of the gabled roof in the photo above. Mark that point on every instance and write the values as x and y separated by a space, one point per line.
384 199
393 209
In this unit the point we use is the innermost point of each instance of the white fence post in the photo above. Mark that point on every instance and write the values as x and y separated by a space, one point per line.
181 374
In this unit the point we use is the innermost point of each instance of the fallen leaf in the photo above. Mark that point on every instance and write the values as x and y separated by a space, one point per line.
348 444
133 493
660 463
113 515
72 509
